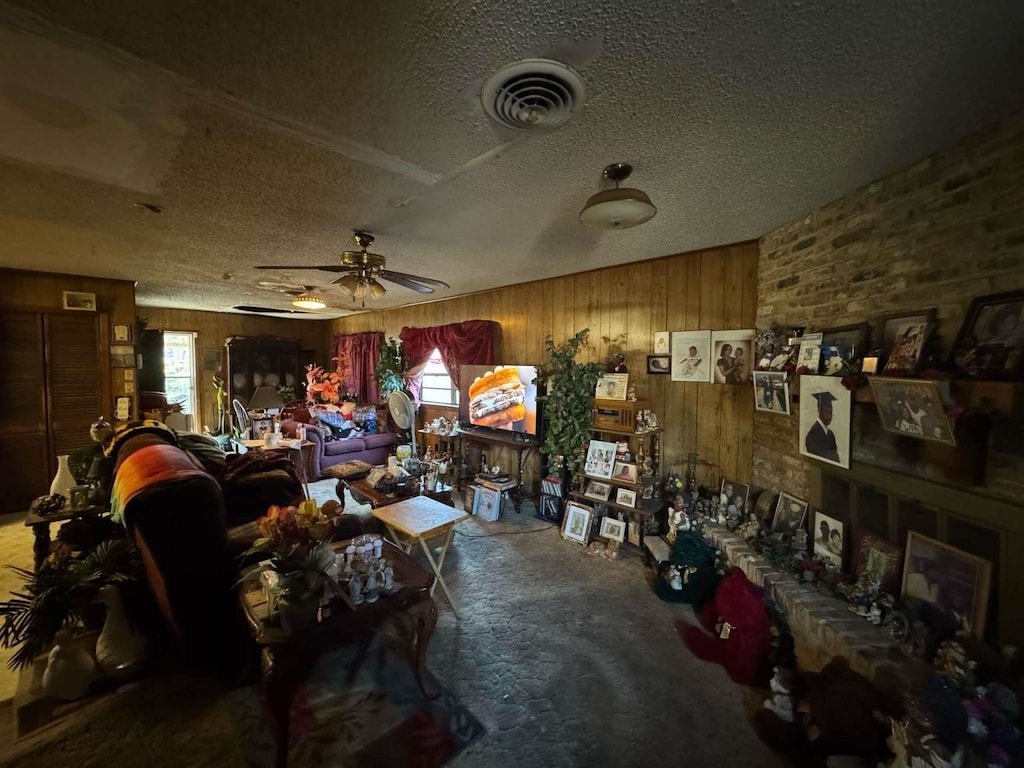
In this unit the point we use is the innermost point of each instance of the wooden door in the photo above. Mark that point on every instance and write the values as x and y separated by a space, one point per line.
73 372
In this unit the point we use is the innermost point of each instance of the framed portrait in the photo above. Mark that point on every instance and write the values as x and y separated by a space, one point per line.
953 580
879 559
261 427
613 529
487 503
733 498
657 364
576 524
626 497
600 459
907 348
733 353
79 301
912 407
625 472
851 339
771 392
809 358
213 359
597 490
612 386
990 343
662 345
827 536
825 410
121 334
691 356
789 514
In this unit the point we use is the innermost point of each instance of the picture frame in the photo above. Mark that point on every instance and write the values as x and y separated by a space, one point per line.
625 472
954 581
789 514
659 364
487 503
990 342
889 326
691 356
732 353
828 541
771 392
598 490
78 301
626 497
733 498
123 408
213 359
844 343
881 559
612 386
826 407
662 345
600 459
633 533
261 426
576 522
908 346
121 334
912 408
613 529
809 358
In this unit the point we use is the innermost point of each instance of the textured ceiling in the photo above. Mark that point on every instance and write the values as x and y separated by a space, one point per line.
268 131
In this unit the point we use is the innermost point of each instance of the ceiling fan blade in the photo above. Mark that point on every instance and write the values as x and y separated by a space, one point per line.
321 267
387 274
269 310
391 277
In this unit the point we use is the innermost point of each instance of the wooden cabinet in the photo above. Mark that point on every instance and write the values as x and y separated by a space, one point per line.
255 361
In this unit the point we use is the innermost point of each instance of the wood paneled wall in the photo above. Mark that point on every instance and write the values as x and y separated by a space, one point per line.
623 307
212 328
43 292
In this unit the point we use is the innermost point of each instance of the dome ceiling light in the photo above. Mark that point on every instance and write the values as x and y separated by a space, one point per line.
618 208
308 300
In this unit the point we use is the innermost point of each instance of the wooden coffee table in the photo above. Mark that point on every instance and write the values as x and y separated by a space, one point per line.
417 519
286 659
363 491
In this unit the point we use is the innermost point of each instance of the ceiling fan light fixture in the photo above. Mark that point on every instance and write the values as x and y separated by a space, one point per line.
308 300
360 289
376 289
618 208
349 284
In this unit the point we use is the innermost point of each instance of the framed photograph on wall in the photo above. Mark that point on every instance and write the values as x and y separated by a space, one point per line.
691 356
121 334
576 525
990 343
80 301
733 353
613 529
771 392
825 410
662 344
952 580
827 535
600 459
597 490
658 364
626 497
912 407
789 514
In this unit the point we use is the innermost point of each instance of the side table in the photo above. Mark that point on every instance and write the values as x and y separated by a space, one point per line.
301 456
40 525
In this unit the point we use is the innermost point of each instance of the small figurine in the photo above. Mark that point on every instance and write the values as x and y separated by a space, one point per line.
674 578
620 365
389 576
631 393
372 595
355 589
875 615
781 702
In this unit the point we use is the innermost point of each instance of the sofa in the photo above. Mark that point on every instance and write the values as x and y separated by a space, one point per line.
372 448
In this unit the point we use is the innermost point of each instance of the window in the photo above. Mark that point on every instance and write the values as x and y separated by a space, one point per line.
436 385
180 371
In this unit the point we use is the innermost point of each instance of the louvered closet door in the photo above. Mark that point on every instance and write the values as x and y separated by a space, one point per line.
73 351
24 458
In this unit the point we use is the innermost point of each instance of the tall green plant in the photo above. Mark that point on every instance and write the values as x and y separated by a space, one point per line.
568 403
390 369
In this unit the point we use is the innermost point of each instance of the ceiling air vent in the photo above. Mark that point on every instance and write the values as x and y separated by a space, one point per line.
532 95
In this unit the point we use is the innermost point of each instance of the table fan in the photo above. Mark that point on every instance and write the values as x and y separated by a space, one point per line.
404 413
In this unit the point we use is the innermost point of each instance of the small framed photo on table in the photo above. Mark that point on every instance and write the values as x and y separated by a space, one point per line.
613 529
600 459
625 472
789 514
626 497
612 386
597 490
576 524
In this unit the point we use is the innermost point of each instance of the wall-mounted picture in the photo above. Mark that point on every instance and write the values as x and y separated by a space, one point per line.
990 344
949 578
121 334
912 407
662 343
213 359
809 358
625 497
733 499
576 524
600 459
79 301
691 356
658 364
771 392
625 472
827 533
597 490
789 514
825 406
733 355
123 408
907 348
612 386
880 560
613 529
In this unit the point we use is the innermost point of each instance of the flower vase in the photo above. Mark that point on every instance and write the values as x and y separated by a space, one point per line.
119 647
69 669
63 481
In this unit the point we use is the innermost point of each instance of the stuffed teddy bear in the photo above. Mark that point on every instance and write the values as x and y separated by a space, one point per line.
741 638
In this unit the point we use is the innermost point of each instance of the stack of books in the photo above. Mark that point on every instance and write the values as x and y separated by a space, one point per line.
552 486
498 483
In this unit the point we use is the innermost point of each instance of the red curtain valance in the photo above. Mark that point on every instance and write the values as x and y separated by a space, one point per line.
363 353
467 343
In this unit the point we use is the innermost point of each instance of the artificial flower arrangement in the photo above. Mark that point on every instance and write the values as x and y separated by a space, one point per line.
328 387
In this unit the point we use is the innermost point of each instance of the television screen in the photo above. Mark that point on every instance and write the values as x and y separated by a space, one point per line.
499 397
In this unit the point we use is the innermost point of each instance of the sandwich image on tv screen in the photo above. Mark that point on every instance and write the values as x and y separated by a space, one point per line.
499 397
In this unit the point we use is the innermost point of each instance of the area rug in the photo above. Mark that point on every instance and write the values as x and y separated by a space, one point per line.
358 711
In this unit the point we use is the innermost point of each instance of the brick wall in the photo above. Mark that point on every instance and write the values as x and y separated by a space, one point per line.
936 234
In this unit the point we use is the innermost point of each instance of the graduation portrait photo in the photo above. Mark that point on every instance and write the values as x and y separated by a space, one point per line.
825 420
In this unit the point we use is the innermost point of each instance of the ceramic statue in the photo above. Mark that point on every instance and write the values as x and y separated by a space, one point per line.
119 647
69 669
355 589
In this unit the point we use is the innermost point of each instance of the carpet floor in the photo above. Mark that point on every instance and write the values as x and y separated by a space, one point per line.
564 658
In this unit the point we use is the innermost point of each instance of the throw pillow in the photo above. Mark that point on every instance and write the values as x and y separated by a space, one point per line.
349 470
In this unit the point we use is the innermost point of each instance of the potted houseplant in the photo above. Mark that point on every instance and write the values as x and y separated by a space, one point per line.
568 401
390 369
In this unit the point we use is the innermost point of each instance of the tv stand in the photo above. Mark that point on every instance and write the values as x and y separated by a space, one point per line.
521 444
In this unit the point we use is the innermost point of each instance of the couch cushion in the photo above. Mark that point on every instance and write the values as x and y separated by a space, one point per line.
349 470
339 447
382 440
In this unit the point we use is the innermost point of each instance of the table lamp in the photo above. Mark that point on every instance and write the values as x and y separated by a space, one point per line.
265 399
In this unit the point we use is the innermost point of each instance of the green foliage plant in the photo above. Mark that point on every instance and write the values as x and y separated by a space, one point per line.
390 369
569 400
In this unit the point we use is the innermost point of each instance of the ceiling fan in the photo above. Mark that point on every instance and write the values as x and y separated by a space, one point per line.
361 272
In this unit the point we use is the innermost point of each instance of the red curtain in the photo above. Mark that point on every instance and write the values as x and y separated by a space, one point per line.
363 350
467 343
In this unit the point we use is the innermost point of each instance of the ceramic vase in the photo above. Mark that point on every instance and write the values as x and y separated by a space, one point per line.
69 669
63 481
119 648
